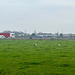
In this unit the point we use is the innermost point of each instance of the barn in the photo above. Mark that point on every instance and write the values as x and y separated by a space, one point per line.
7 35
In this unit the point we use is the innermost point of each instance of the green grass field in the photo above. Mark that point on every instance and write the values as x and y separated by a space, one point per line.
21 57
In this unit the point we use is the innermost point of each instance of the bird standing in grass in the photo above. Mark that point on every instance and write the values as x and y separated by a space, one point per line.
58 44
35 44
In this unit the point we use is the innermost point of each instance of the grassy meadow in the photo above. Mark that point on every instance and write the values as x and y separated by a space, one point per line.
21 57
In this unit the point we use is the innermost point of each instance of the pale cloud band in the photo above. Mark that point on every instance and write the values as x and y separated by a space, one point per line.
52 15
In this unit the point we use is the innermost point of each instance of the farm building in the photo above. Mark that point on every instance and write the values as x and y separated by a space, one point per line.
7 35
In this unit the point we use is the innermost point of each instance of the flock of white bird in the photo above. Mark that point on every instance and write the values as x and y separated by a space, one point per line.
37 45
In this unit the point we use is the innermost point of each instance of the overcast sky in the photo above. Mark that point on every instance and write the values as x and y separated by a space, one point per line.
40 15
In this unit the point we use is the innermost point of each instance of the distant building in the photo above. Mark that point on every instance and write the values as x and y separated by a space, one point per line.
7 35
